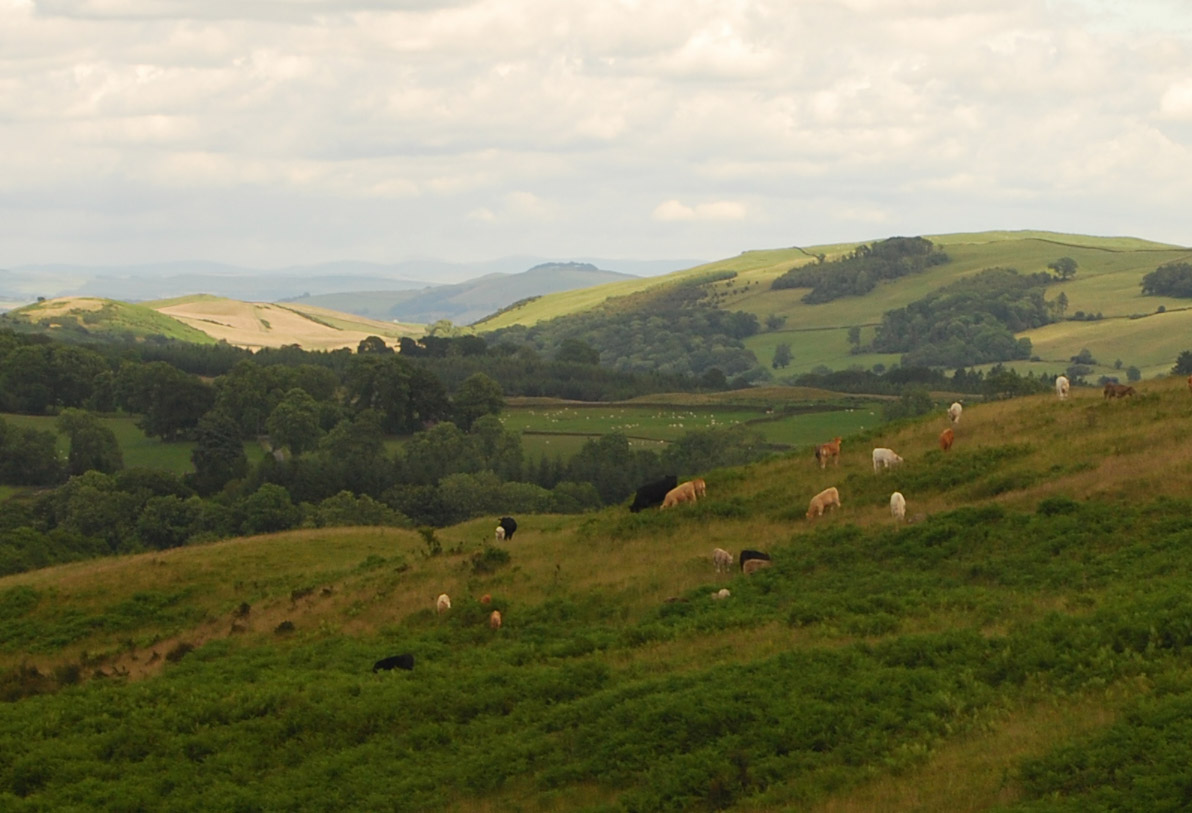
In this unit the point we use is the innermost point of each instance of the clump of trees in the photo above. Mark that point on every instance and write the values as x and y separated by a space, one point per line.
861 270
670 331
970 321
1172 279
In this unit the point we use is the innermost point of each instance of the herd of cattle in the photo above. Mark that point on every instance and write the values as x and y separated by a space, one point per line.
667 492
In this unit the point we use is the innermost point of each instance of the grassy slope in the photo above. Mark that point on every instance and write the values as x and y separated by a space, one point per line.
259 324
139 450
587 624
110 316
1107 281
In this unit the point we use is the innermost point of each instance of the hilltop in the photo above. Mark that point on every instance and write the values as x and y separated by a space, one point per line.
1035 616
466 302
639 324
1146 332
204 319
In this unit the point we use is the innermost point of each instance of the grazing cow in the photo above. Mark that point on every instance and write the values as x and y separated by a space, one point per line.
821 502
486 599
500 534
1062 385
652 494
722 560
403 661
749 555
494 620
1113 390
831 449
954 412
682 493
884 459
946 438
509 525
701 488
442 603
721 594
754 565
898 506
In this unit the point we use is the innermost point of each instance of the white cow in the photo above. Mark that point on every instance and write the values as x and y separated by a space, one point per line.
1061 387
898 506
884 459
721 594
500 533
722 560
954 412
442 603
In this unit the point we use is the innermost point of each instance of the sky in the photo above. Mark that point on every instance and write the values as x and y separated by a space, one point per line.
268 133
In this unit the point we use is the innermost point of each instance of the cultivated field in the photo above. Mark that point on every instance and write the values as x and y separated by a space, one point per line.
259 324
1025 644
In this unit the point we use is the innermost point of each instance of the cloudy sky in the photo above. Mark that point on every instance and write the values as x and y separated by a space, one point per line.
276 132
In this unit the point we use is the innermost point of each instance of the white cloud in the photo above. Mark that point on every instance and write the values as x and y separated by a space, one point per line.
673 210
526 126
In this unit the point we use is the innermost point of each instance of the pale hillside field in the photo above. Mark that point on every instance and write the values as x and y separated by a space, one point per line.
257 324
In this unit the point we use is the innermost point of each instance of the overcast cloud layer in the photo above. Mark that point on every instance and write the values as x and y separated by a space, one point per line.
276 132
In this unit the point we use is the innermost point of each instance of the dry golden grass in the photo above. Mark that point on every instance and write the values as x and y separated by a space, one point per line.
258 324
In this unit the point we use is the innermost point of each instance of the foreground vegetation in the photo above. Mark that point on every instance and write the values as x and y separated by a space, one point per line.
1022 646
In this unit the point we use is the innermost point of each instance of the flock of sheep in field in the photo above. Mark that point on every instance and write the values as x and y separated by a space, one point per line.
669 493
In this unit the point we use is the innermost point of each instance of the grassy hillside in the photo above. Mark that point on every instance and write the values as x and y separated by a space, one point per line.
1107 282
260 324
80 316
1024 645
205 319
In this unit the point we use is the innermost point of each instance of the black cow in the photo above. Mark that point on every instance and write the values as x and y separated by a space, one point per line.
403 661
654 493
509 524
746 555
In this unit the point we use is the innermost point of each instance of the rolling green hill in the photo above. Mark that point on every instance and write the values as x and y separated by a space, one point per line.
1107 282
205 319
1024 644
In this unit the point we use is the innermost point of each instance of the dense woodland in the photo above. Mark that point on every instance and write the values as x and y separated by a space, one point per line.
971 321
669 330
322 420
859 271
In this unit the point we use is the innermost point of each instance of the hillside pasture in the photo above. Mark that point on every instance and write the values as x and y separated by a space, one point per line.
559 428
258 324
1107 281
139 450
1026 645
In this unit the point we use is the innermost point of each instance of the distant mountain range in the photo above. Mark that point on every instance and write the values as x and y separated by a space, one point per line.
141 283
466 302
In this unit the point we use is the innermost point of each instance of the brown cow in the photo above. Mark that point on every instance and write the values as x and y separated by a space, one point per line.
753 565
821 502
1190 383
494 620
1113 390
825 450
684 492
946 438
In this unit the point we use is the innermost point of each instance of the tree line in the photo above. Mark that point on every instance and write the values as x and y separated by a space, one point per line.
324 459
672 331
859 272
970 321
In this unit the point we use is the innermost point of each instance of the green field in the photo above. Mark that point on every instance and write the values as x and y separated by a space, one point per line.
1107 282
787 417
140 450
1024 645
